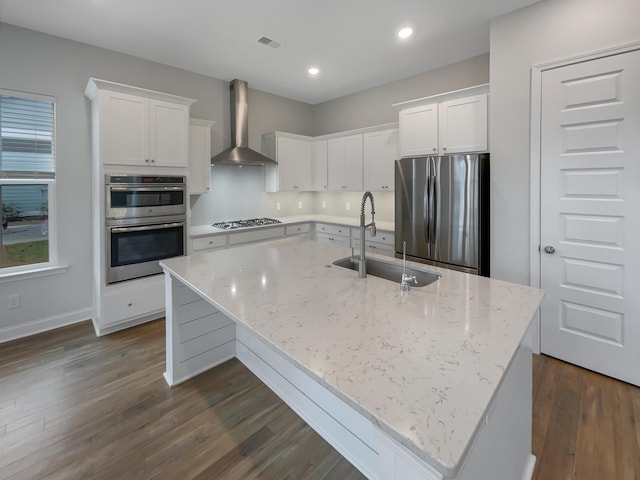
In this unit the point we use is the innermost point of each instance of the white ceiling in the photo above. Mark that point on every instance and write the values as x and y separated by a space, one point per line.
353 42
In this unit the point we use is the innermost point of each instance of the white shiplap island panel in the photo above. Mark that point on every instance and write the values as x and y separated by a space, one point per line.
434 383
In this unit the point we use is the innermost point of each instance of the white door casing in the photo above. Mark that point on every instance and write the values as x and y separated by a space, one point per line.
589 197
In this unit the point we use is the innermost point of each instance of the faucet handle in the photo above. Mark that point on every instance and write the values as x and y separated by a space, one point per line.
408 278
373 229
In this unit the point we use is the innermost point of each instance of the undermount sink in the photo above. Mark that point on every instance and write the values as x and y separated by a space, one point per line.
389 271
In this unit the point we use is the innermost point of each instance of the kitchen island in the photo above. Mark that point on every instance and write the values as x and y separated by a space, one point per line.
434 384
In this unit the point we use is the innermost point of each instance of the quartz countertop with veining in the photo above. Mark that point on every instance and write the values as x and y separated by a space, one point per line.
424 367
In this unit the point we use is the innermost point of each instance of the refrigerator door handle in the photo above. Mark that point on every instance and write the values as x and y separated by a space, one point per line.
427 194
434 212
431 238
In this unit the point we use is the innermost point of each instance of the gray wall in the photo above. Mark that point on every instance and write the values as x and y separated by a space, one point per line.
547 31
39 63
374 106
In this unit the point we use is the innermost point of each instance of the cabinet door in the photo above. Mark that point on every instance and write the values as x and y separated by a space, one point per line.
286 149
353 163
335 164
168 134
199 159
124 129
463 125
319 166
294 164
374 161
303 172
391 155
419 130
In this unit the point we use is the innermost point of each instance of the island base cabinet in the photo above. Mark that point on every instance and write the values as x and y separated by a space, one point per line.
199 336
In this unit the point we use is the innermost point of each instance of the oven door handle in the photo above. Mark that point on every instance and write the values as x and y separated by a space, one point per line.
145 228
147 189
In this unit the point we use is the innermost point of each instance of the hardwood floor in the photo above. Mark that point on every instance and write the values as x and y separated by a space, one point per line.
73 406
585 425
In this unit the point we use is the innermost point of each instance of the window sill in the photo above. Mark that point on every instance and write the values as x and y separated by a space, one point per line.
33 273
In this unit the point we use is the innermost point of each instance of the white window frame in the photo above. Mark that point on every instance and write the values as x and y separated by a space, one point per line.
52 266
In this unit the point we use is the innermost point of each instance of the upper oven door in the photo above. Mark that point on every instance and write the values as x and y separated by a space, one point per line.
135 200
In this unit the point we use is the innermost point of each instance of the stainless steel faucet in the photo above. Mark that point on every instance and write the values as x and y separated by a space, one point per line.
362 266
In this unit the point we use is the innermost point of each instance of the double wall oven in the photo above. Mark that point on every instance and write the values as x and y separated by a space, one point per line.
145 221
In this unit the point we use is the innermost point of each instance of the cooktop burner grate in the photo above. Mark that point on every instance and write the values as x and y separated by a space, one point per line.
253 222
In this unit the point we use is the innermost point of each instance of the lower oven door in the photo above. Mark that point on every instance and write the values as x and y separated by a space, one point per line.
134 248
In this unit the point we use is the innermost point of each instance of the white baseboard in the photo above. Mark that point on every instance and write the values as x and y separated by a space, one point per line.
531 465
13 332
100 331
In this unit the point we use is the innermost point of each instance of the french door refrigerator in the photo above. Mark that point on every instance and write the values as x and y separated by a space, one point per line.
442 211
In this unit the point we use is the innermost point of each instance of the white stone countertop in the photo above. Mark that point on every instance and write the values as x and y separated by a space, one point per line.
424 367
207 230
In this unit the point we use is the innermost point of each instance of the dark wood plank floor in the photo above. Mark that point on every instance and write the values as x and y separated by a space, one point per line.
585 425
75 406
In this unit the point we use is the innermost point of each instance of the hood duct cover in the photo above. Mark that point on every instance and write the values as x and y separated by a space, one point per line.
239 153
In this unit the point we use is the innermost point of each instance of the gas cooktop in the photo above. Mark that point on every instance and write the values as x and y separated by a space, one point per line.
253 222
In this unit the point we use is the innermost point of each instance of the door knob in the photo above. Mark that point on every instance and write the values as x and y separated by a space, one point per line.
549 249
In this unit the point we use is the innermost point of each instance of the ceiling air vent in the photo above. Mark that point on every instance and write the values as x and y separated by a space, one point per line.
268 42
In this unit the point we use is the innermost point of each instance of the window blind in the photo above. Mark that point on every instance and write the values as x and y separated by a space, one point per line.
26 138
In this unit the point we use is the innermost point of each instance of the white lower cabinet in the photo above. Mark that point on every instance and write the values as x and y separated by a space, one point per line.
326 232
212 242
383 243
300 229
259 235
131 302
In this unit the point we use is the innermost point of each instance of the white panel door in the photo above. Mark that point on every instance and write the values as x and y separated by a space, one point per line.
590 215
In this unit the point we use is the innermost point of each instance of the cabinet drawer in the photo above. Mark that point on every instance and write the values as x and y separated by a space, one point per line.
133 302
297 229
382 236
327 237
332 229
209 243
255 235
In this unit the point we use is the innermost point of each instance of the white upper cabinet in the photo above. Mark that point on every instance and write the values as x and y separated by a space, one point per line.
199 156
419 130
463 125
455 122
344 163
380 150
293 154
319 165
139 127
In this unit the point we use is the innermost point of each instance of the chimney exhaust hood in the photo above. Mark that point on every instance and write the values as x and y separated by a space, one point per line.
239 153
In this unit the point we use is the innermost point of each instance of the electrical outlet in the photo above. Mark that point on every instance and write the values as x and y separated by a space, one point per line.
300 204
14 301
324 204
278 206
348 206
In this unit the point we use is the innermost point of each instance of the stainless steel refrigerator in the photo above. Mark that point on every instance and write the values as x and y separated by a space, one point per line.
442 211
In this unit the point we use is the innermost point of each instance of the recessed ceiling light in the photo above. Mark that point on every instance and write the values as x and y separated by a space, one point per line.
405 32
314 71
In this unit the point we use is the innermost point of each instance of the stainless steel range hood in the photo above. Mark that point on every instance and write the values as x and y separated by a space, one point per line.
239 153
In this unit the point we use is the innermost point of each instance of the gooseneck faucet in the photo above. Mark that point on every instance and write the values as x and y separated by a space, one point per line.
362 266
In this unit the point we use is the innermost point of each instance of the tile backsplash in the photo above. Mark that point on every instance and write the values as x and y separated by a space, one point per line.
239 192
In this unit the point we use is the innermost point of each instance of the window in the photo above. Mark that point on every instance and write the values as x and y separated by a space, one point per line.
27 176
